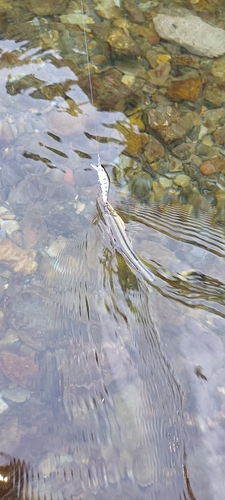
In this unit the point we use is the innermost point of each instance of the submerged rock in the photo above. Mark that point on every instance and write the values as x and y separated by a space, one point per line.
185 60
10 226
16 259
19 369
215 164
16 394
192 33
109 92
108 9
141 185
77 18
215 93
182 180
219 136
133 10
46 7
153 149
34 230
134 141
3 405
188 89
171 123
159 75
122 45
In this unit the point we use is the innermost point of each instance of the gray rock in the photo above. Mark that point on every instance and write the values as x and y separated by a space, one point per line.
16 394
192 33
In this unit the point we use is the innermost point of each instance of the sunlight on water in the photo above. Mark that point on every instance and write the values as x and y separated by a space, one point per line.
112 346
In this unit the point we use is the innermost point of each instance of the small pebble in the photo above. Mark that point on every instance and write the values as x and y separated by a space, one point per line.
182 180
3 405
128 80
165 182
207 141
207 168
80 207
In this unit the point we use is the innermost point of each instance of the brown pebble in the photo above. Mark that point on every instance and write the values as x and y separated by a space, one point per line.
189 89
7 217
154 39
207 168
99 60
219 136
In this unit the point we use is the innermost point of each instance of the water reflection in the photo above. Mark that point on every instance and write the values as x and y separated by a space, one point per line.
109 388
105 399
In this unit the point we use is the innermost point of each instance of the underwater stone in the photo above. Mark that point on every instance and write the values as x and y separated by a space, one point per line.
182 180
188 89
192 33
46 7
16 259
141 185
123 45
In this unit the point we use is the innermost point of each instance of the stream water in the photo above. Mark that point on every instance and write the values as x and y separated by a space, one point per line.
111 386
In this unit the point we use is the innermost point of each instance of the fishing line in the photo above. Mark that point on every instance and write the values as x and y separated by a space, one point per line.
89 79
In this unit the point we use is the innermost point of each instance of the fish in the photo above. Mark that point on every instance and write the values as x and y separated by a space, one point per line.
120 242
103 179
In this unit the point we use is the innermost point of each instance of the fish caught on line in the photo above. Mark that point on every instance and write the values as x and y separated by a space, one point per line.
117 233
116 227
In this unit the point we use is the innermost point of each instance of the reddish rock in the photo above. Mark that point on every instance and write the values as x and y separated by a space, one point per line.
18 369
207 168
210 167
68 176
154 39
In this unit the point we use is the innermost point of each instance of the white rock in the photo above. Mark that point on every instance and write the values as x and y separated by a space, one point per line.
3 405
192 33
10 226
3 210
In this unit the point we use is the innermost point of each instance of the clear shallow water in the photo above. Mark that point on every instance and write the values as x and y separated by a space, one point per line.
110 388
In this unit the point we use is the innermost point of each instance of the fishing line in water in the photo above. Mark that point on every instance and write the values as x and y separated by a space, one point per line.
89 79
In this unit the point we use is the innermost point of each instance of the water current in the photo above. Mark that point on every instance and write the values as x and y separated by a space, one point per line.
111 386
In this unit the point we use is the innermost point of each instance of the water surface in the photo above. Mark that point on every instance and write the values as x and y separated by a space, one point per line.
110 387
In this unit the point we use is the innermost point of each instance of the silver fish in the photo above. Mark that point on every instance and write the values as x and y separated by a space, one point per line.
103 179
116 230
